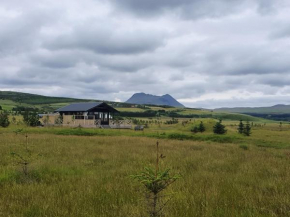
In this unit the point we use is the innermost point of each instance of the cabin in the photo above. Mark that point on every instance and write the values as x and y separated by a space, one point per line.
88 114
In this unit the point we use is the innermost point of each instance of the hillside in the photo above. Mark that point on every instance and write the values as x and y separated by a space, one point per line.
276 109
143 98
34 99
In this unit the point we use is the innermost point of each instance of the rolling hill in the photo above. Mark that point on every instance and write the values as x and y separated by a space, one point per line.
280 108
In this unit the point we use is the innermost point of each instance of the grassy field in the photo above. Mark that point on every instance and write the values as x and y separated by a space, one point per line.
88 175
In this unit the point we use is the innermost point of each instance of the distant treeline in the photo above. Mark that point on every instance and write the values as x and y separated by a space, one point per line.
276 117
175 114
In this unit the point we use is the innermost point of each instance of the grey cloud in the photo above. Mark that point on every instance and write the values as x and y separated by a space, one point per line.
250 59
104 39
196 9
262 101
282 33
21 33
185 8
66 49
275 80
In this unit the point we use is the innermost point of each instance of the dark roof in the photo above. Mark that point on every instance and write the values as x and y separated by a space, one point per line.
82 107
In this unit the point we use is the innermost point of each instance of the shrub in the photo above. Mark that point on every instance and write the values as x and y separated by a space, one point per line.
178 136
195 129
4 119
31 119
245 147
59 120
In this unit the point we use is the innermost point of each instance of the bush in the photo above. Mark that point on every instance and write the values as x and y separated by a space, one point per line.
59 120
195 129
178 136
76 132
31 119
245 147
4 119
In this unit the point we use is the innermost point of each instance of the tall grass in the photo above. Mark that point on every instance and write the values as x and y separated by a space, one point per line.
89 176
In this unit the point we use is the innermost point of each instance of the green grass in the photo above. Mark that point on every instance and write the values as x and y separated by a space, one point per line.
85 172
9 104
89 176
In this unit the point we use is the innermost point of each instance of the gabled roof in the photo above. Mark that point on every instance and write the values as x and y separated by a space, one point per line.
83 107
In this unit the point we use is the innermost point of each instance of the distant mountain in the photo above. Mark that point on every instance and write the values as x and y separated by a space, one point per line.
276 109
143 98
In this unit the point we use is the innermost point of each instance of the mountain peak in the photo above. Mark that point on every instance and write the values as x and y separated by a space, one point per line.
143 98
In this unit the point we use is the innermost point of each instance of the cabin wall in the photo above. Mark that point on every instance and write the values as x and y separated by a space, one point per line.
48 119
69 120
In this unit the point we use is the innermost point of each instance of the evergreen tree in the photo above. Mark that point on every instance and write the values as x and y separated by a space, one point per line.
201 127
241 127
247 130
4 119
0 107
218 128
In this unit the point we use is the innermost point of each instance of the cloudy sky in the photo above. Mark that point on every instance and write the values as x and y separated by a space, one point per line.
205 53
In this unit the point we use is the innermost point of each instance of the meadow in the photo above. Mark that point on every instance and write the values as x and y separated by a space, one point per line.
86 172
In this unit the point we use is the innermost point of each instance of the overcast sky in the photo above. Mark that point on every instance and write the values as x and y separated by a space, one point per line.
205 53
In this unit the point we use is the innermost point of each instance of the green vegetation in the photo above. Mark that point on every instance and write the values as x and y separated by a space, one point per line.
86 172
88 175
241 127
218 128
200 128
247 130
4 119
155 182
34 99
31 119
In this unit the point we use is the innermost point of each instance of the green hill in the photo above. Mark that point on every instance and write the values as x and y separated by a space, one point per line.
34 99
276 109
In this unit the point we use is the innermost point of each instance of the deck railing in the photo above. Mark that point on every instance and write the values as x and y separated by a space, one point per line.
91 121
